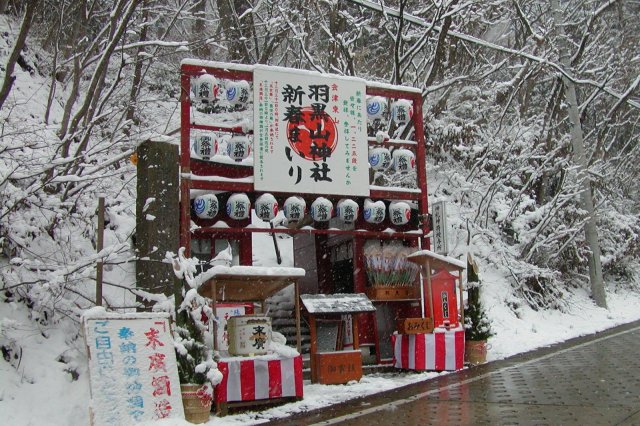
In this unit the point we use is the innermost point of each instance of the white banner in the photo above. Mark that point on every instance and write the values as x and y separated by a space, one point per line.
132 369
310 133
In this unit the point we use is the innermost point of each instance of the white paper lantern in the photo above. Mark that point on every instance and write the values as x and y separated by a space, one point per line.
347 210
205 145
374 211
238 92
238 147
208 88
376 108
404 161
379 158
399 212
266 207
238 206
294 208
401 111
206 206
321 210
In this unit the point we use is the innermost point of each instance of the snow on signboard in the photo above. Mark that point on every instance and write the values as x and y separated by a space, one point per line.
309 133
132 368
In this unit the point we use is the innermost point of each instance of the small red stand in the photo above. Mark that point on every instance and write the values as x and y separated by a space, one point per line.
442 350
260 379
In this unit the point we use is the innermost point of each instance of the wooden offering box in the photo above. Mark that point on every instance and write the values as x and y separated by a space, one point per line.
414 325
335 368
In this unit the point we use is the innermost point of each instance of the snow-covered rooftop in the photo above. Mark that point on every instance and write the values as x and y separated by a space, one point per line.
437 258
283 271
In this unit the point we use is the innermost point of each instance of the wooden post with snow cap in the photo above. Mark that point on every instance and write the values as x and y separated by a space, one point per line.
99 247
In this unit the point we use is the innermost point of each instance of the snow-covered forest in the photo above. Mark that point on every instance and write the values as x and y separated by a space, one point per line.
532 113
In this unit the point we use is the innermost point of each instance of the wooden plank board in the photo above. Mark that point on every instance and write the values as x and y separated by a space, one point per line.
234 288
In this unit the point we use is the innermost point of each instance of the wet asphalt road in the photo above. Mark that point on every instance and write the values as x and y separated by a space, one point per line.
593 380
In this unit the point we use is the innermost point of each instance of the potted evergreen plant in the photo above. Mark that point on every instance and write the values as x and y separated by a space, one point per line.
477 327
197 371
192 356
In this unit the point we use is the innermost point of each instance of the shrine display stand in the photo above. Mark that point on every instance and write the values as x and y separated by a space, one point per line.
338 366
262 379
209 167
435 342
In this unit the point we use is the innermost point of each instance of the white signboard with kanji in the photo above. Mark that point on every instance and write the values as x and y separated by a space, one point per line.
132 368
310 133
439 240
224 311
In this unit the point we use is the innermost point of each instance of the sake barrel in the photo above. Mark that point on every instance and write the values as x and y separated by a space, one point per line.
249 334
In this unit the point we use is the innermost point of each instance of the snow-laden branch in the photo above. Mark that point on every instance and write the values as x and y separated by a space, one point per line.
589 29
465 37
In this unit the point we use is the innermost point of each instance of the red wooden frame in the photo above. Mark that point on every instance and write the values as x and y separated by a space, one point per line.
196 174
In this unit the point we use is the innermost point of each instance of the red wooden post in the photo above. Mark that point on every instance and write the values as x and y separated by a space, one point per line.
185 164
421 155
313 349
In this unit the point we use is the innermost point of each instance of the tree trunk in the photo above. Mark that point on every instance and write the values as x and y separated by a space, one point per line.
137 72
580 159
9 78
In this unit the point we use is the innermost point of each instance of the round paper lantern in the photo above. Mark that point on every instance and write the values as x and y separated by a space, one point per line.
321 210
238 206
294 208
207 88
238 147
376 108
238 92
347 210
401 111
379 158
266 207
206 206
374 211
205 145
399 212
404 161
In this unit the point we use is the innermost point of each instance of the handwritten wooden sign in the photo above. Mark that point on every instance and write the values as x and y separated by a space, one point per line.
414 325
132 368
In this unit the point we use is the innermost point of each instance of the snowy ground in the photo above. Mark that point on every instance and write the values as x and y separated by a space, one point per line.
37 390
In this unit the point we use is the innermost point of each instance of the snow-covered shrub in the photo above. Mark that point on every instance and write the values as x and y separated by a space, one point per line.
476 323
195 358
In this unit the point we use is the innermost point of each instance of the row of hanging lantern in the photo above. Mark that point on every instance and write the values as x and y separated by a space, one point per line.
402 159
238 207
401 110
207 144
238 147
208 89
